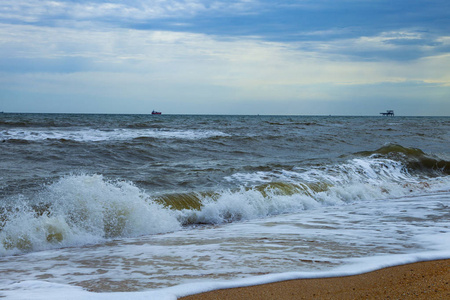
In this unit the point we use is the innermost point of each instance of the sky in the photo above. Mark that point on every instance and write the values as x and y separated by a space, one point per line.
305 57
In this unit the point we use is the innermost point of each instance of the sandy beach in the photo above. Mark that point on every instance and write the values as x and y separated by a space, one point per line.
424 280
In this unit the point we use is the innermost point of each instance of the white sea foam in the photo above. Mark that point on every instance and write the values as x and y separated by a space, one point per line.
321 242
246 205
34 289
359 179
84 209
96 135
80 210
362 170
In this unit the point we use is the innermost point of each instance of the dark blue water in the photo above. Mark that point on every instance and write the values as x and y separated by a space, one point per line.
194 153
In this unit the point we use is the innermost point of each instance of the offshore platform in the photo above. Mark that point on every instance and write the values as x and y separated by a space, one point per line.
388 113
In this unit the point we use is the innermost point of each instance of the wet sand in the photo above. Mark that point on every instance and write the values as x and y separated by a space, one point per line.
424 280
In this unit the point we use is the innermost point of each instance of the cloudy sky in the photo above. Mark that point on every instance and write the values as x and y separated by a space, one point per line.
305 57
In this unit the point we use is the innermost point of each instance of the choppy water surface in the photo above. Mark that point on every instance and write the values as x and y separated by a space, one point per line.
135 202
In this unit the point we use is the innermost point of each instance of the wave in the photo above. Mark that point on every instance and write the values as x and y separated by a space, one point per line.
96 135
29 123
79 210
290 123
414 159
83 209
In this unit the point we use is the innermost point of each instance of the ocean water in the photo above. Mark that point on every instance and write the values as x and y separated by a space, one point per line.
117 206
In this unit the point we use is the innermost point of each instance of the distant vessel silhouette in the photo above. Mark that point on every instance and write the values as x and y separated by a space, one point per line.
388 113
156 112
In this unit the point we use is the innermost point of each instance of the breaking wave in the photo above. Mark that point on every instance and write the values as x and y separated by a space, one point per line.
414 159
83 209
97 135
79 210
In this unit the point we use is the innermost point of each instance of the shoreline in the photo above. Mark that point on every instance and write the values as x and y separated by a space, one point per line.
421 280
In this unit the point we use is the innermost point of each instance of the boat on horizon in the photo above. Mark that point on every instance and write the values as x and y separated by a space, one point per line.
156 112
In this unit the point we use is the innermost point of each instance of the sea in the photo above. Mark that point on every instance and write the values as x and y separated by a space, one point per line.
163 206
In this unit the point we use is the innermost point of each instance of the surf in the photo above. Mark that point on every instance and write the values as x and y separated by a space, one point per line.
82 209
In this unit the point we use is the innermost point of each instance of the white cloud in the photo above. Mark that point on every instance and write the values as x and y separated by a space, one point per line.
233 61
393 45
134 64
